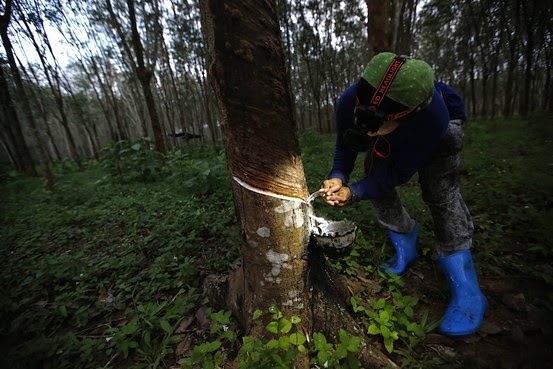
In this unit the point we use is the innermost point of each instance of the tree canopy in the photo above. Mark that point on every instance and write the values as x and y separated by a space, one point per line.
102 71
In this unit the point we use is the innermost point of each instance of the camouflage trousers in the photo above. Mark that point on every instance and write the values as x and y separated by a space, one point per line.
439 183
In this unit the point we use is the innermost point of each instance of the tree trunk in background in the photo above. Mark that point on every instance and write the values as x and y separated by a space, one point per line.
11 126
11 131
528 9
247 71
145 75
22 98
37 96
52 76
405 39
398 9
137 62
512 37
378 26
548 85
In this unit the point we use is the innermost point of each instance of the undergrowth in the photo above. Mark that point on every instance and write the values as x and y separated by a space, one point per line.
102 270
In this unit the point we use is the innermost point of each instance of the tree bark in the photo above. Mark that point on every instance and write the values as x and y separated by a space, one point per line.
145 75
247 71
137 60
21 95
378 26
11 132
54 80
15 140
509 16
528 20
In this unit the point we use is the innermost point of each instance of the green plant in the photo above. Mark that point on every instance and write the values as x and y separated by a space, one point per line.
211 354
75 258
394 319
280 348
338 355
151 332
133 161
287 342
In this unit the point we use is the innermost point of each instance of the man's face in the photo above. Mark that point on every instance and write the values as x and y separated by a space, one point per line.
368 119
388 127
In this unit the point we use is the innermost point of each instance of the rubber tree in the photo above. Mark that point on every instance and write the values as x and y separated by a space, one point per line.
19 141
279 263
378 26
11 127
143 65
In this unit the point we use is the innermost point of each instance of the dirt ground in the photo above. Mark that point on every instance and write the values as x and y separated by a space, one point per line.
518 329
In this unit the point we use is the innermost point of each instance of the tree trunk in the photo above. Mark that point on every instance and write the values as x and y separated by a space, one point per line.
378 26
37 95
54 81
21 95
145 77
247 71
512 62
137 61
528 17
10 124
11 131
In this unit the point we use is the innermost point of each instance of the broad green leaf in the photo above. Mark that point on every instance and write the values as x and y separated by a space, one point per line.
166 326
297 339
384 330
284 342
373 329
295 319
319 340
354 343
272 344
384 316
272 327
209 347
389 344
284 325
257 314
379 304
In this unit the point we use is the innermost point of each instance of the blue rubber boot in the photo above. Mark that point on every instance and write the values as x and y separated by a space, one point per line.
465 312
405 245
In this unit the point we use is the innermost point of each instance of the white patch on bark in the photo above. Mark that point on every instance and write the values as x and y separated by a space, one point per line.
295 299
293 214
264 232
278 261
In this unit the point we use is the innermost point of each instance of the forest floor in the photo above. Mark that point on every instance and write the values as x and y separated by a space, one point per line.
106 271
518 328
507 185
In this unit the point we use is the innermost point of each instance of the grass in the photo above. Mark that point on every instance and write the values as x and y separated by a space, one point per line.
107 263
102 271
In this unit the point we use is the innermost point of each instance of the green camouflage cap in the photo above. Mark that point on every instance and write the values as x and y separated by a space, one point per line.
413 85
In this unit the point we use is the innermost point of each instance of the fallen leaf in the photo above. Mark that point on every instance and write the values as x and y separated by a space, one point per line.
184 325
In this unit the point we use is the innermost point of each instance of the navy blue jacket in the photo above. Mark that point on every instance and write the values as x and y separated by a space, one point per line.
412 144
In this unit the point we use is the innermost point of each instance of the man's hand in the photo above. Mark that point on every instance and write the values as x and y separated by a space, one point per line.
331 185
335 193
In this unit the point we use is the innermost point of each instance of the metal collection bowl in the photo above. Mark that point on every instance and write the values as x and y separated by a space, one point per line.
335 238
